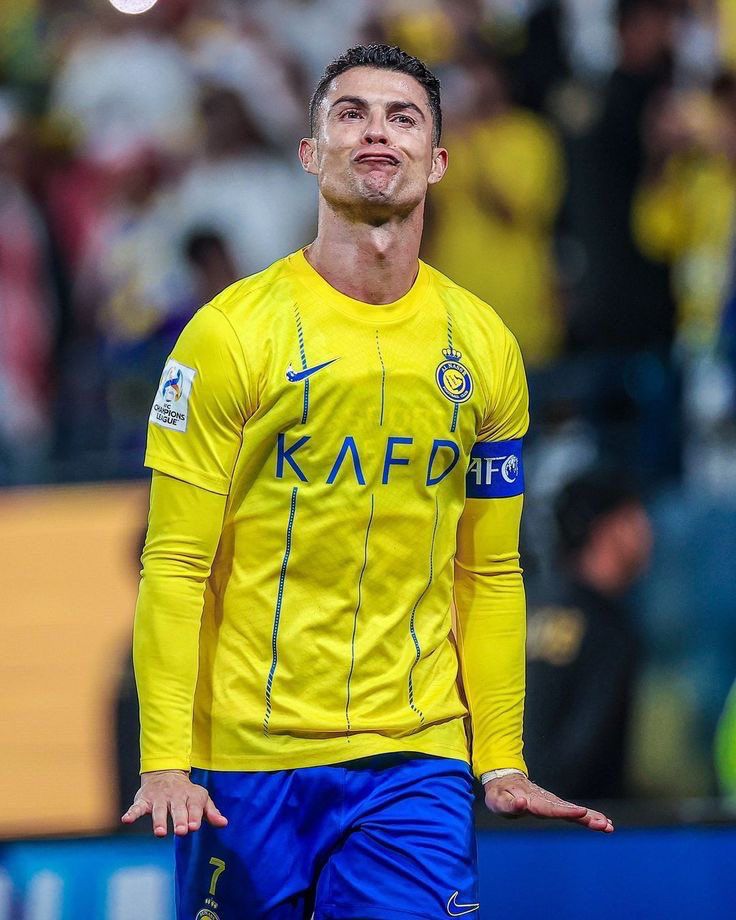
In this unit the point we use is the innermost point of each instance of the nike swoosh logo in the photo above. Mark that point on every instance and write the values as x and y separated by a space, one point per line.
295 376
457 910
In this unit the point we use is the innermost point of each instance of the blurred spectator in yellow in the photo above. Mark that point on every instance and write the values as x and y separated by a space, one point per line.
491 219
581 645
438 31
28 307
423 28
623 302
684 209
684 215
260 203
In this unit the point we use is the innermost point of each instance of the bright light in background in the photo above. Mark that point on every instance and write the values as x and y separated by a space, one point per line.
133 6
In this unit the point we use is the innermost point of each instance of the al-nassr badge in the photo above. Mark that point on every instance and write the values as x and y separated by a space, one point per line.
453 378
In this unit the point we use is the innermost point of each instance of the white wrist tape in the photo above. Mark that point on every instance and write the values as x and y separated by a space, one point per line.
495 774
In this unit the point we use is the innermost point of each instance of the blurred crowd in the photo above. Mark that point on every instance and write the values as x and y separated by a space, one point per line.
147 161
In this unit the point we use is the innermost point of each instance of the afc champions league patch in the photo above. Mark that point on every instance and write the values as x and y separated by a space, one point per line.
453 378
495 470
171 406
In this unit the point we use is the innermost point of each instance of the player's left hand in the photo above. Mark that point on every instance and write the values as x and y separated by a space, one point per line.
515 795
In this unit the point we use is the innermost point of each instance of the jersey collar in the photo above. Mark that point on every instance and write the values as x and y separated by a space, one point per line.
358 309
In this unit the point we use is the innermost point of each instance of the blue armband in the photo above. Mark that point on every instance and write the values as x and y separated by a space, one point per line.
495 470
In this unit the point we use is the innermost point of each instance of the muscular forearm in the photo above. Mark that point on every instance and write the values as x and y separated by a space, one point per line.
183 532
491 629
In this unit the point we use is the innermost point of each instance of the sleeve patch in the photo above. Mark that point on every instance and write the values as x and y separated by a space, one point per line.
171 406
496 470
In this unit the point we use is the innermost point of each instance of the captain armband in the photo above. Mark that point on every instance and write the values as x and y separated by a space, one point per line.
496 470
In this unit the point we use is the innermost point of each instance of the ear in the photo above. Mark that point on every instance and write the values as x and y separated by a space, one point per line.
439 165
308 155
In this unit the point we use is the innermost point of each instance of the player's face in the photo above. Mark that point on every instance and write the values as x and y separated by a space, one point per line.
373 154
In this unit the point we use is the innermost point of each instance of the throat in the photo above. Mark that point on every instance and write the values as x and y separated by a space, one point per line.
376 265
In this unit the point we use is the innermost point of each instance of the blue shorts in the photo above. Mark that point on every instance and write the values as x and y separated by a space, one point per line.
379 838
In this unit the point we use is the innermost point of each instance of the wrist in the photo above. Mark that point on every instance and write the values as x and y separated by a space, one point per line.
151 773
497 774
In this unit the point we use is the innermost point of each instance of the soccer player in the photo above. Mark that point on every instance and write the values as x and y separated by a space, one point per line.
336 454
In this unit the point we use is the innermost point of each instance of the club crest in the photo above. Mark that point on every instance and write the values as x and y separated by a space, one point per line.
453 378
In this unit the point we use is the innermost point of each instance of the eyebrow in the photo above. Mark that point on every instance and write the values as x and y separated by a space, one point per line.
397 104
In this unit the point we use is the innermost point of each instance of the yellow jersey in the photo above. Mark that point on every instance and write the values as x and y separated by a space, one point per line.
344 443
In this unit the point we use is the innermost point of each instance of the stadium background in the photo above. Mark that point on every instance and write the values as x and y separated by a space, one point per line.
147 161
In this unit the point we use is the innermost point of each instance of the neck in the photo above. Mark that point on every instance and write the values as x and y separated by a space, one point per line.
373 263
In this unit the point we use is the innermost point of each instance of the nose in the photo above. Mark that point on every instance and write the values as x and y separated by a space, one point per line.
375 129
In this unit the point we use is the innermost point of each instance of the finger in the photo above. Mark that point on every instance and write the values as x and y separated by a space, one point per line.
136 810
213 814
195 807
597 821
160 814
545 804
179 816
549 806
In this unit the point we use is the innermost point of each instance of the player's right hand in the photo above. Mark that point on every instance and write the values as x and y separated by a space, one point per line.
165 792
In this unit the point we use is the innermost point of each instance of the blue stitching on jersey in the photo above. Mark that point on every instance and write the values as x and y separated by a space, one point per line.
414 610
454 417
277 615
303 355
355 617
456 410
383 377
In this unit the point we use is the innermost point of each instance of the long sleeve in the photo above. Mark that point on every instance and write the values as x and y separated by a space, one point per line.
195 435
489 590
491 629
184 528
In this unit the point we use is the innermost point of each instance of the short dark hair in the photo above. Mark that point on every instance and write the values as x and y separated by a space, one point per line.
383 57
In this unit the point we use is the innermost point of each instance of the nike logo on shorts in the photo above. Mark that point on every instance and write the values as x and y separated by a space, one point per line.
457 910
295 376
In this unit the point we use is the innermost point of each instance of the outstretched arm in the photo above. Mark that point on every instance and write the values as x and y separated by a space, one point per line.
490 604
194 438
491 629
184 528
